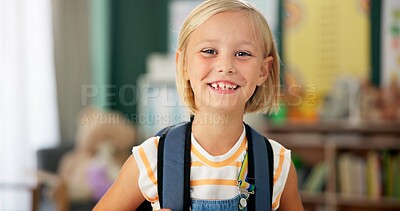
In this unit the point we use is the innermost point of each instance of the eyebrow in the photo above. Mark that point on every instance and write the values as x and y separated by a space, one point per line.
245 42
205 41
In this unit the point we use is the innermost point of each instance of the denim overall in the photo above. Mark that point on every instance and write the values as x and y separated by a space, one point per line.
217 205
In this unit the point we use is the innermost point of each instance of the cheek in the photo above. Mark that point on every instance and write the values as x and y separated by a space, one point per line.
251 72
200 61
199 68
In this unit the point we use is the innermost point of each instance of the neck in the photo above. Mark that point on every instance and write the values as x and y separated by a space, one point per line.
217 133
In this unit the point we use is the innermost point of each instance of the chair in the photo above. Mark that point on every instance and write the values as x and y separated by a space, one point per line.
52 192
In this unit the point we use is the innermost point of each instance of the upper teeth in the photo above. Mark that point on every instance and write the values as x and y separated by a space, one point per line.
223 86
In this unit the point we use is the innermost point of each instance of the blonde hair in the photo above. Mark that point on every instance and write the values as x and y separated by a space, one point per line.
265 98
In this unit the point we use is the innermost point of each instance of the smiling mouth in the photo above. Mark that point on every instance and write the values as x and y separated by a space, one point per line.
223 86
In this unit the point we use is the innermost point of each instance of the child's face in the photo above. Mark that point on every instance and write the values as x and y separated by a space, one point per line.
225 63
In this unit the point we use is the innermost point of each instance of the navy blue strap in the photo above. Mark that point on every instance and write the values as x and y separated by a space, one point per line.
176 168
259 170
271 167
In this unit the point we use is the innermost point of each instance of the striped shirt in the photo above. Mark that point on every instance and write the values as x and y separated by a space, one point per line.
211 177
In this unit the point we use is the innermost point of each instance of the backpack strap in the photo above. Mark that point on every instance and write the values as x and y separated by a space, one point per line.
160 162
173 168
271 167
260 171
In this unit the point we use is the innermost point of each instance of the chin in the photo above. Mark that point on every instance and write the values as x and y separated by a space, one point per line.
226 108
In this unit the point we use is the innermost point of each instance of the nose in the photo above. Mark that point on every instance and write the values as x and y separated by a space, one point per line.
225 65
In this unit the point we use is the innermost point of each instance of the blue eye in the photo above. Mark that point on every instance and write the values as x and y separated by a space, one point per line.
209 51
242 53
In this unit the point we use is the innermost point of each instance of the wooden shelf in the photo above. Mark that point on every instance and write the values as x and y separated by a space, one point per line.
325 142
363 201
337 128
308 197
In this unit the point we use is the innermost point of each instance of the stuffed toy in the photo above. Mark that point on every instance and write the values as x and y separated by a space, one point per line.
103 142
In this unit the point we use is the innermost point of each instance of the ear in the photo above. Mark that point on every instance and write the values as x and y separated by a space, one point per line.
178 58
265 68
177 55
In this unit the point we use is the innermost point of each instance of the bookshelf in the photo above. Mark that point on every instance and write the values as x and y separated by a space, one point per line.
354 176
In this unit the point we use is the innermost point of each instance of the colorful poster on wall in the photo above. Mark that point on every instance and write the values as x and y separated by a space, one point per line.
390 47
324 41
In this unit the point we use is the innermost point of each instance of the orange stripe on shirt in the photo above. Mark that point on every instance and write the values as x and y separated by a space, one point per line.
276 202
156 140
147 165
213 182
221 163
198 164
280 165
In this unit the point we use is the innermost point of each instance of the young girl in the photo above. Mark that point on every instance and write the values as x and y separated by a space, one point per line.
227 65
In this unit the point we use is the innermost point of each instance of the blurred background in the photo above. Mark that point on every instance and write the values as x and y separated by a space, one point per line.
83 81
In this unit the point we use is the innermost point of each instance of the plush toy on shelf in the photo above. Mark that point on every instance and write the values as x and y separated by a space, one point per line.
103 142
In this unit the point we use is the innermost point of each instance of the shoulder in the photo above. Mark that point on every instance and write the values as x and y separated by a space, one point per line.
145 156
147 149
282 163
279 149
282 159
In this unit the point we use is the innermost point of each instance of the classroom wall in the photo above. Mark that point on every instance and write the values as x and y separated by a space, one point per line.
137 29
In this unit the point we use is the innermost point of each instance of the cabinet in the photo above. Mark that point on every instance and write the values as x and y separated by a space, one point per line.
328 144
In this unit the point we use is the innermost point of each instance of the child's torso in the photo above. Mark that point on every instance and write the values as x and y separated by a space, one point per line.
216 177
213 179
